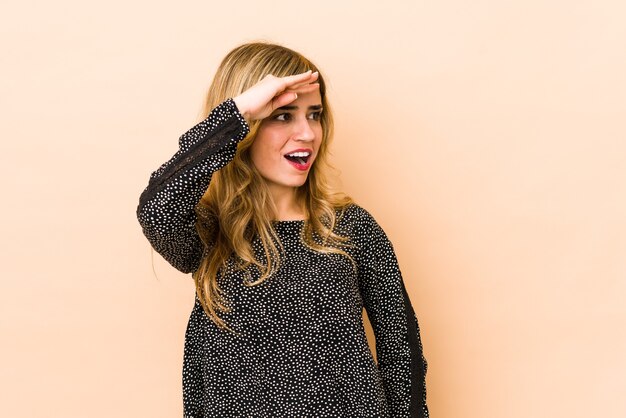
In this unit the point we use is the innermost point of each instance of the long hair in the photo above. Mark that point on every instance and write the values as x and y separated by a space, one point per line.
237 206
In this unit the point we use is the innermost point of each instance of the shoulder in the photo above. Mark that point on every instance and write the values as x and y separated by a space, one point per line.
354 212
370 240
360 222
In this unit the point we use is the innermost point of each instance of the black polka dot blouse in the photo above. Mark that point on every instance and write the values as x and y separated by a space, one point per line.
300 348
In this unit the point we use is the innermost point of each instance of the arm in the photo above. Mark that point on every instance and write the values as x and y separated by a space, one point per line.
398 345
166 210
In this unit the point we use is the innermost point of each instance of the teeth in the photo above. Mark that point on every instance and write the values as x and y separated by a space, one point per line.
299 154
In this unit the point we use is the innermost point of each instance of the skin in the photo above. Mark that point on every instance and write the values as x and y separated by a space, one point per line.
281 131
260 100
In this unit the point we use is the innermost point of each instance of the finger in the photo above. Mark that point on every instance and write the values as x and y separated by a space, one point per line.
300 79
296 78
312 78
284 99
307 88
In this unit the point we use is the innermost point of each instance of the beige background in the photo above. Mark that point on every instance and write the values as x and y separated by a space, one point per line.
486 137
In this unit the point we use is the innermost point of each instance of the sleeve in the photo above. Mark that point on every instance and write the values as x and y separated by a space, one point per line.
166 210
398 344
193 379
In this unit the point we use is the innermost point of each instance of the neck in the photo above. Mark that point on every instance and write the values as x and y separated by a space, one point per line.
285 203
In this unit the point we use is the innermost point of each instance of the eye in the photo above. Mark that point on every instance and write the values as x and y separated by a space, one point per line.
283 117
315 115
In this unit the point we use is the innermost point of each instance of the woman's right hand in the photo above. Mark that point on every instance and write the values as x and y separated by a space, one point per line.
260 100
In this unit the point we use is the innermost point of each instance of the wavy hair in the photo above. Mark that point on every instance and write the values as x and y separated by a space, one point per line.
237 207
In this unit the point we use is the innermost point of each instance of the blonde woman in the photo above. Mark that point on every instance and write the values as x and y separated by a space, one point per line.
283 264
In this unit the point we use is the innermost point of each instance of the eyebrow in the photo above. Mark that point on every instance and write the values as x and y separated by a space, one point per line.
292 107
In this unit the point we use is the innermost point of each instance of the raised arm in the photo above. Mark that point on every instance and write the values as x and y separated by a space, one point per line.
166 210
398 344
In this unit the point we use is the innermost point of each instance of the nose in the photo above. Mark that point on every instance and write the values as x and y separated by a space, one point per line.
303 131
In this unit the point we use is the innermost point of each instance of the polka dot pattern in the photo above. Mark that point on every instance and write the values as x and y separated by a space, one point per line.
166 206
300 348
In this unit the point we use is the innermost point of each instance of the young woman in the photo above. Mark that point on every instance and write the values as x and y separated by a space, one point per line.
283 265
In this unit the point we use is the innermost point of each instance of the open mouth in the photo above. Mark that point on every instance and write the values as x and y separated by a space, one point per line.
298 159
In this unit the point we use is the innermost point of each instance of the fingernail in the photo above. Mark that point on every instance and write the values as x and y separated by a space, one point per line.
296 96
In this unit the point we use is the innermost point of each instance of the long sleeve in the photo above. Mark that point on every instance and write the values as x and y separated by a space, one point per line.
166 210
398 344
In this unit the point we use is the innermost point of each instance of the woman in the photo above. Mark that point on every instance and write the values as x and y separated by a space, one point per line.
283 265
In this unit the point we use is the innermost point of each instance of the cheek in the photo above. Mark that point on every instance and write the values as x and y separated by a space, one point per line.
258 156
319 135
264 152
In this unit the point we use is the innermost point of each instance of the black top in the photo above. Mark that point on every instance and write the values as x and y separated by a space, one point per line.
301 350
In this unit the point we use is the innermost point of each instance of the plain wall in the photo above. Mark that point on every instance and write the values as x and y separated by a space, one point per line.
486 137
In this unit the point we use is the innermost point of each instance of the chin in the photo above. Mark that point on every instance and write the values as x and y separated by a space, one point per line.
299 184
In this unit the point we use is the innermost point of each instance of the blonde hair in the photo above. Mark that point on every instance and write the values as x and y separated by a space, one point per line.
237 206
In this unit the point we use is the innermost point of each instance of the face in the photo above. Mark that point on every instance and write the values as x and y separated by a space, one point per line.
287 142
